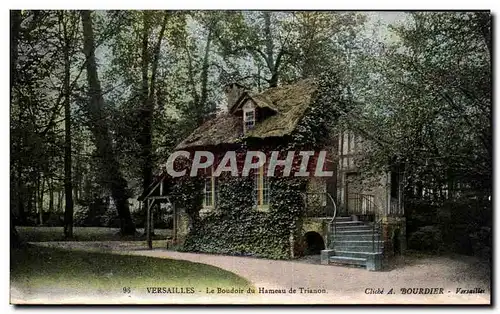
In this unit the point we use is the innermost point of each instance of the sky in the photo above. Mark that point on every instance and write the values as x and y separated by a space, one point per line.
381 20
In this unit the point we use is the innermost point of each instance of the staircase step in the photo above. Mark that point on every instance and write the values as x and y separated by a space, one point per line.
348 218
358 249
348 260
338 241
350 222
356 237
355 224
349 253
352 243
366 244
353 228
354 231
358 242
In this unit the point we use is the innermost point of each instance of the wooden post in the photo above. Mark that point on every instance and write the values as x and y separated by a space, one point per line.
174 224
148 224
152 217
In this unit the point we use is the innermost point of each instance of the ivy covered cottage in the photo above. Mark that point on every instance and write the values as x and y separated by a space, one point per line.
347 217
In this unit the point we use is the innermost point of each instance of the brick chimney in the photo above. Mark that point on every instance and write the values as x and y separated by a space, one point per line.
233 92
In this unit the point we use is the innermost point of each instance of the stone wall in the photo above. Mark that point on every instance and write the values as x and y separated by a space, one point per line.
394 236
318 225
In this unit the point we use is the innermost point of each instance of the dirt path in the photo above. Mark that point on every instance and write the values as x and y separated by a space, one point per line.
327 284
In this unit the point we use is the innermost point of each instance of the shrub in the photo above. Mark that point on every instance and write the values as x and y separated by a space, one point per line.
139 217
110 218
54 220
80 215
163 220
89 214
428 238
32 219
481 242
465 223
420 213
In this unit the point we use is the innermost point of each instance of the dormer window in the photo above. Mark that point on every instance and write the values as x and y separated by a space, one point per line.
252 109
249 118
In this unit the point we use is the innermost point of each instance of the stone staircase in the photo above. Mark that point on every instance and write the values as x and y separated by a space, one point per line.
354 242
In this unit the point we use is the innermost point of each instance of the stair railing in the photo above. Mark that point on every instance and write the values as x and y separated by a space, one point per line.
361 204
316 204
332 220
377 222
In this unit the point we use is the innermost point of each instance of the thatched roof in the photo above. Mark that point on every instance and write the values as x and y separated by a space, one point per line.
224 128
289 102
259 99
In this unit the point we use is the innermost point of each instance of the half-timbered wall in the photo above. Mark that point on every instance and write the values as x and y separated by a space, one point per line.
360 193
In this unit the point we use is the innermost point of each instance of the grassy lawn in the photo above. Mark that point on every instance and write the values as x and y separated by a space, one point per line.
45 269
43 234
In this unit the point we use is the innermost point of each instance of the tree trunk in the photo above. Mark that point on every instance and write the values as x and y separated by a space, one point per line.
51 195
41 186
269 40
146 110
68 184
273 68
204 78
99 127
20 195
148 92
87 189
35 202
30 201
78 178
60 196
273 82
200 99
15 26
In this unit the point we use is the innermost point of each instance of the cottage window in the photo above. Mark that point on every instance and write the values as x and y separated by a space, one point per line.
262 189
249 119
209 189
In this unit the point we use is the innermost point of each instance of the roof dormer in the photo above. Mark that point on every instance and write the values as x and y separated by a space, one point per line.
252 109
259 101
249 115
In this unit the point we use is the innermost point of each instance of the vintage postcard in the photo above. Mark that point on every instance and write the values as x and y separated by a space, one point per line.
250 157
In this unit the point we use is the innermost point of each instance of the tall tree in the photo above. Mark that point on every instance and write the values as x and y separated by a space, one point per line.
259 35
37 120
148 94
99 126
142 65
286 46
69 25
15 24
324 41
198 62
434 80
